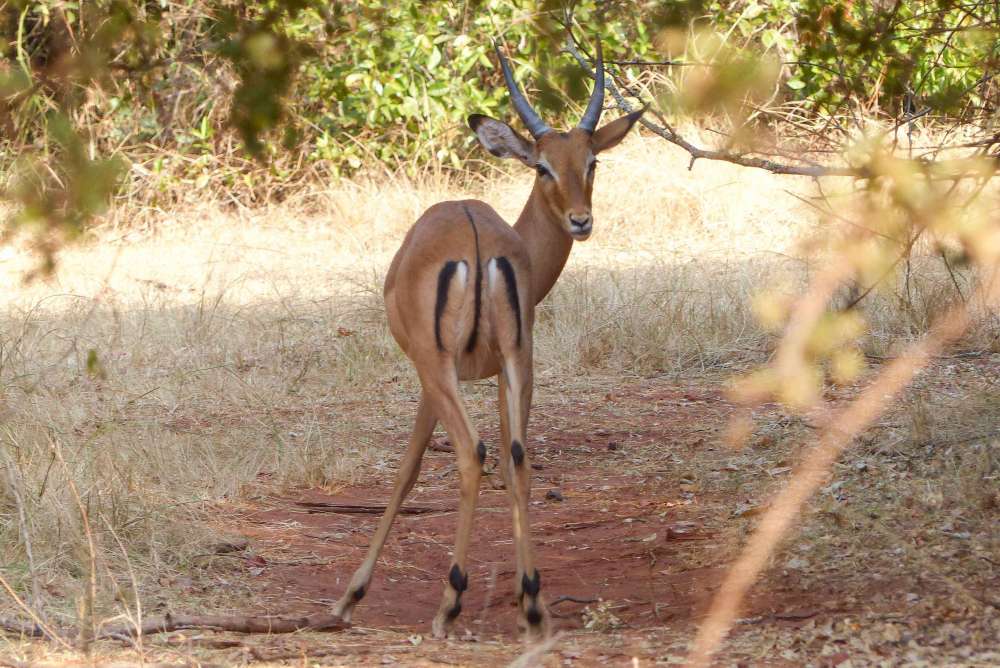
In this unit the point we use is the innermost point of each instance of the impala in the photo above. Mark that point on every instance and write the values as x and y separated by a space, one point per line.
460 297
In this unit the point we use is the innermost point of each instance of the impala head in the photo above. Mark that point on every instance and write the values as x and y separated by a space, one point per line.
564 162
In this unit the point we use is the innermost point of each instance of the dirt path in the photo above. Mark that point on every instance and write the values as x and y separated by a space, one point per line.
638 532
897 561
892 565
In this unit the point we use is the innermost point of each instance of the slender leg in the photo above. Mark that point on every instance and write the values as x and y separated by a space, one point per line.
470 452
504 439
515 399
409 469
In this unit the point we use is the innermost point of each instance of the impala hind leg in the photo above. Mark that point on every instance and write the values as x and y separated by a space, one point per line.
515 401
442 384
409 469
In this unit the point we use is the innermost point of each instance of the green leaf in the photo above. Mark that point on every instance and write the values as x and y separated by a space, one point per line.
435 59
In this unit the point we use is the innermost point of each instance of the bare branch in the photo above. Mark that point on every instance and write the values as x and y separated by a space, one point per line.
668 133
665 131
234 623
39 629
170 622
363 509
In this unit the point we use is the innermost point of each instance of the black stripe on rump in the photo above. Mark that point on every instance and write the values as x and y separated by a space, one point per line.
479 285
444 282
511 280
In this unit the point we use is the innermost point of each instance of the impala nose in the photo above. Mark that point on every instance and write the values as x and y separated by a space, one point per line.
580 224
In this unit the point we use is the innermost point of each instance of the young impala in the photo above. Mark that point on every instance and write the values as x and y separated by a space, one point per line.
460 296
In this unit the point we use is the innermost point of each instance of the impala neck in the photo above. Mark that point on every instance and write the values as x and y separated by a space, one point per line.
548 245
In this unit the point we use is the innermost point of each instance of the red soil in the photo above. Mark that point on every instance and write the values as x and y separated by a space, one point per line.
624 532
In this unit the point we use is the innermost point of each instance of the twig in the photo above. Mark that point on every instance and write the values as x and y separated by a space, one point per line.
134 581
828 211
572 599
778 617
25 629
668 133
307 653
22 521
176 622
709 154
87 621
905 253
363 509
234 623
951 273
37 630
440 445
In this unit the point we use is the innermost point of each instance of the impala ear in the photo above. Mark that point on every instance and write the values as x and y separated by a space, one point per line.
612 133
502 140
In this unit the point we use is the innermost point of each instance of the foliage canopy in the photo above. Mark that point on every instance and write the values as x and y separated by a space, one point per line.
111 96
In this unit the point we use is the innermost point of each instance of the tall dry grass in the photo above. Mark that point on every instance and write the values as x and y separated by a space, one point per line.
222 351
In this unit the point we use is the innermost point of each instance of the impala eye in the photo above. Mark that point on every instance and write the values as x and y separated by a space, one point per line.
591 167
543 171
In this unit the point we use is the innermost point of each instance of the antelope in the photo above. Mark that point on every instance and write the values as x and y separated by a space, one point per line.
460 297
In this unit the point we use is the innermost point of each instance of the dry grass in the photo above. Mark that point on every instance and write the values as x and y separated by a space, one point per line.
221 351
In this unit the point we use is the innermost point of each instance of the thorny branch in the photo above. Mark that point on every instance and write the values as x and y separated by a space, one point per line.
665 131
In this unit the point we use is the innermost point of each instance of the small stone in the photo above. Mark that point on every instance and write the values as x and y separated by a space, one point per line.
554 494
612 445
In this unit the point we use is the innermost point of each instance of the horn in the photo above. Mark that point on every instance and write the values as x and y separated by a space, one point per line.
536 126
596 105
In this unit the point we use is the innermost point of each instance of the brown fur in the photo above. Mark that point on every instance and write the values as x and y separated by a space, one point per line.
537 247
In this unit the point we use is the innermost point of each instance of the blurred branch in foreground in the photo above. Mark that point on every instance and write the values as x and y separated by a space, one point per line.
841 429
84 90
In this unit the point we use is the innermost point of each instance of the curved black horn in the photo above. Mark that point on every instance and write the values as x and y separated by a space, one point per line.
536 126
596 105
